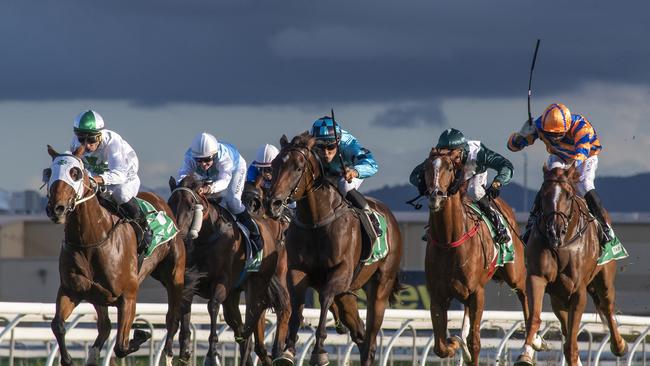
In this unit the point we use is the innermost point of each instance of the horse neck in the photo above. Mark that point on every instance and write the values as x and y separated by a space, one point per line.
89 223
318 203
448 225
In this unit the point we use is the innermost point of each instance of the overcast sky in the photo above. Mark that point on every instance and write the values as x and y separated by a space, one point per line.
396 72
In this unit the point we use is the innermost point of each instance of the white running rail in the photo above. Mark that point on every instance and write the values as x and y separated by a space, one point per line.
406 336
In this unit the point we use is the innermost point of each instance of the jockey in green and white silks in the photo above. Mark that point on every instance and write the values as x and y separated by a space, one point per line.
359 163
477 159
113 164
223 170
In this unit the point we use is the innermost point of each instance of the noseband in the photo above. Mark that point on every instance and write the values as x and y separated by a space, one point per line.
314 179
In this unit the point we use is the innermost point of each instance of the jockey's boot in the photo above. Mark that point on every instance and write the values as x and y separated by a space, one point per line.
532 219
500 232
596 208
368 220
143 232
252 264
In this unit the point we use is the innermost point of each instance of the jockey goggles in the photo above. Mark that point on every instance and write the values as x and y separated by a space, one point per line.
88 139
325 146
206 159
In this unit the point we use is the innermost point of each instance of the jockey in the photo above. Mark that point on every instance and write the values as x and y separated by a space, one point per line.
477 159
113 164
262 165
569 139
223 170
334 144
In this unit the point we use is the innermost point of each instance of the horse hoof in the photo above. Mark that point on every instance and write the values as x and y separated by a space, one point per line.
211 361
524 360
467 356
319 359
340 328
539 344
286 359
169 360
623 351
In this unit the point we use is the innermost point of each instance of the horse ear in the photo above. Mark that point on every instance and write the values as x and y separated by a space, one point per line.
284 141
545 170
79 152
52 152
311 142
172 183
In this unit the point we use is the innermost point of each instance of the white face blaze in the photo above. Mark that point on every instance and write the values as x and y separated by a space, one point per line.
61 170
437 164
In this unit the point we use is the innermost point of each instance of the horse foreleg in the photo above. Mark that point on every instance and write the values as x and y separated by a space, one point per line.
64 307
217 298
184 338
535 288
379 290
174 286
476 304
282 314
603 292
260 347
442 347
125 316
103 331
298 282
577 307
348 313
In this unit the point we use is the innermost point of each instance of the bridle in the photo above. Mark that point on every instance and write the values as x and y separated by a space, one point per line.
315 184
77 199
566 218
197 210
433 192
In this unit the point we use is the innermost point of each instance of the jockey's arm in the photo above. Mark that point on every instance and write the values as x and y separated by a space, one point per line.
118 166
497 162
187 168
224 165
417 179
582 144
362 160
525 137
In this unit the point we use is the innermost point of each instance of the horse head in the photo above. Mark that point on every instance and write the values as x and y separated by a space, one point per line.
557 196
443 173
296 170
188 202
67 184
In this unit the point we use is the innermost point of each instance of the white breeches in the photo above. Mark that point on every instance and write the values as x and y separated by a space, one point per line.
122 193
476 186
587 171
345 186
232 196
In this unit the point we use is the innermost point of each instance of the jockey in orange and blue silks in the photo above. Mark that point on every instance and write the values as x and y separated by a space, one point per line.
569 139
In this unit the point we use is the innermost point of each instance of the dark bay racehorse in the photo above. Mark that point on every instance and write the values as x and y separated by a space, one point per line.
460 254
324 244
217 249
562 256
98 261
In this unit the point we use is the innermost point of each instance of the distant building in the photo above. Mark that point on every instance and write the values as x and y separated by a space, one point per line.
5 201
27 202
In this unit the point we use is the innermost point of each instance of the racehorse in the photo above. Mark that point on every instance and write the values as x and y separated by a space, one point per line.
98 261
460 256
324 246
562 258
217 249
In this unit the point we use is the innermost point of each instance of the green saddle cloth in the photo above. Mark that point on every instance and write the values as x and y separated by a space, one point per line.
162 226
613 250
380 246
506 251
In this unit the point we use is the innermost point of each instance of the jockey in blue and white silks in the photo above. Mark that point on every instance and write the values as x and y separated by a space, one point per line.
113 164
262 165
223 170
358 161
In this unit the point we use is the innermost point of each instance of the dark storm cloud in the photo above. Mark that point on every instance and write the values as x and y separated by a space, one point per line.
411 115
282 52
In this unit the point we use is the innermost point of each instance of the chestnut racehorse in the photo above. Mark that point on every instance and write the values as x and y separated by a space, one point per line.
98 261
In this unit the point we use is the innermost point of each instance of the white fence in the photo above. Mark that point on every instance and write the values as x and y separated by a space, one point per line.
406 337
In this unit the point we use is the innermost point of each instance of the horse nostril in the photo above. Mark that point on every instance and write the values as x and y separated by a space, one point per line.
439 193
276 203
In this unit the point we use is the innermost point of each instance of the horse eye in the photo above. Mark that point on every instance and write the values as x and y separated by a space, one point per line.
75 173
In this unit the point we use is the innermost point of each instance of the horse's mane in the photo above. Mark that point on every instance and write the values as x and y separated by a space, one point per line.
191 182
302 140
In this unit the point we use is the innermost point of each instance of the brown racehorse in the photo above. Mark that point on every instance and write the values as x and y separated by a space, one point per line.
324 244
562 256
218 251
98 261
459 256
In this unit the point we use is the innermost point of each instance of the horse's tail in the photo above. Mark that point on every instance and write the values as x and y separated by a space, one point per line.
192 278
397 287
277 295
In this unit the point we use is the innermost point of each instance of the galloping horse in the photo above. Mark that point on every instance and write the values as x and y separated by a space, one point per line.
324 244
98 261
217 249
459 256
562 257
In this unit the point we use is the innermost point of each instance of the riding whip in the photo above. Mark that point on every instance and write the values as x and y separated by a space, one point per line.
530 82
338 150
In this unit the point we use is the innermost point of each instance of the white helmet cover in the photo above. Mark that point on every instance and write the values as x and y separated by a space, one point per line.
61 167
204 145
265 155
